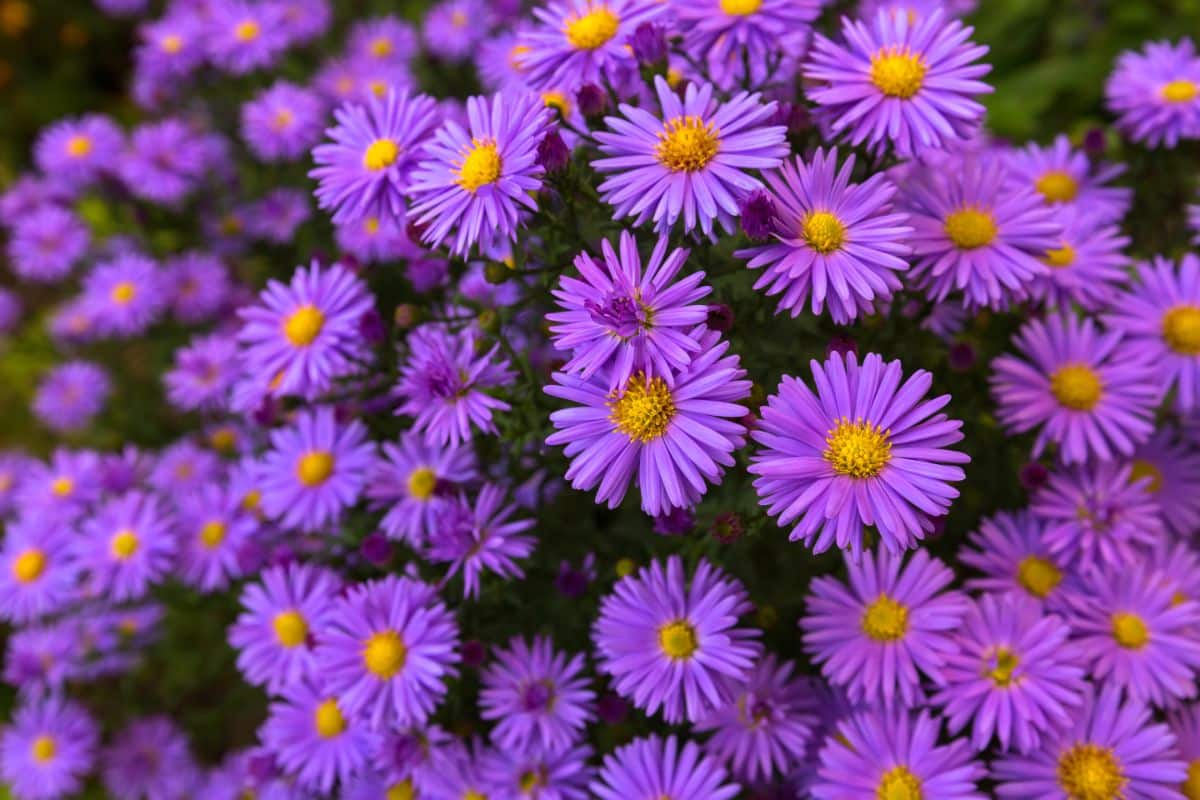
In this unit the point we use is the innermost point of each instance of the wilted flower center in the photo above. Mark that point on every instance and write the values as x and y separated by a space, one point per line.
823 231
1141 468
740 8
622 314
123 293
79 146
645 410
899 783
62 487
385 654
1000 666
315 467
857 449
1180 91
29 566
677 639
290 628
897 72
1090 772
970 228
1060 256
686 144
124 544
1129 630
212 533
1038 575
43 749
329 720
538 695
480 166
422 482
381 154
1057 186
1076 386
1191 786
592 30
247 30
401 791
171 44
304 324
885 620
1181 329
531 780
381 47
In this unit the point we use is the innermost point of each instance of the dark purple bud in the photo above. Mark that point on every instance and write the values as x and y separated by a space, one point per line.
371 327
571 582
414 230
649 45
282 555
552 152
1033 475
611 709
592 101
794 117
264 415
1095 142
250 557
350 263
758 214
961 356
727 528
841 344
473 653
939 528
720 318
376 549
910 309
675 522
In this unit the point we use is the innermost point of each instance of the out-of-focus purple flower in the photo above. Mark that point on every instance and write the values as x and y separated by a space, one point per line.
126 546
1011 551
77 150
48 749
46 244
652 767
242 36
315 739
282 122
1155 93
413 481
71 395
453 28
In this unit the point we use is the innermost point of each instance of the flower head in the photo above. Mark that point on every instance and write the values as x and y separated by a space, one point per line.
1088 265
212 526
78 150
39 573
125 295
1067 179
281 123
149 758
314 738
46 244
1155 93
652 768
243 36
480 537
414 481
48 748
1011 551
71 395
126 546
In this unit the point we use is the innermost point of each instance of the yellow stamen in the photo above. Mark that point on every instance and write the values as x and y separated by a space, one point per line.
678 639
971 228
1129 630
43 749
687 144
899 783
1091 772
644 411
1181 329
740 8
1191 786
422 482
858 449
315 467
212 533
1057 186
401 791
1141 468
1000 667
247 31
62 487
381 154
329 720
592 30
29 565
885 619
171 44
291 629
514 56
385 654
1180 91
1060 257
558 101
124 544
897 72
1038 576
303 326
1077 387
123 293
79 146
823 231
381 47
480 166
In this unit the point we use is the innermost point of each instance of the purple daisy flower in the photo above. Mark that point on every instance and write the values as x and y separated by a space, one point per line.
498 59
39 660
1185 725
126 547
314 738
283 122
892 753
368 166
862 450
1067 178
274 634
60 489
212 528
184 466
673 439
1087 267
126 295
910 83
38 570
71 395
385 39
1013 674
204 373
305 335
691 162
619 319
200 286
315 470
453 28
48 749
539 697
164 162
77 150
442 384
672 644
172 46
402 756
1112 749
538 775
1155 93
277 215
836 240
480 537
1011 551
305 20
415 481
872 635
149 760
457 772
478 180
652 768
1085 393
1097 516
46 244
243 36
387 651
375 240
1173 470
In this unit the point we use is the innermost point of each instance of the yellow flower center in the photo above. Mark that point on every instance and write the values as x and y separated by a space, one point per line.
1060 257
514 56
1090 772
823 231
480 165
29 566
79 146
43 749
885 620
223 439
1191 786
251 500
247 30
124 544
970 228
62 487
899 783
1076 386
381 154
384 654
458 19
1038 576
123 293
1129 630
531 780
212 533
401 791
422 482
291 629
558 101
897 72
1180 91
677 639
1181 329
1000 666
1057 186
686 144
371 225
329 720
1141 468
472 794
283 119
303 326
381 47
592 30
315 467
378 87
645 410
171 44
740 8
858 449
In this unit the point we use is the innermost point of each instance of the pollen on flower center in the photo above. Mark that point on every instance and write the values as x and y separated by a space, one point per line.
1129 630
1181 329
171 44
79 146
686 144
329 720
1180 91
1057 186
1038 576
124 544
645 410
381 154
897 72
62 487
315 467
740 8
43 749
385 654
531 780
1076 386
29 566
823 231
401 791
422 482
899 783
480 165
1060 257
381 47
858 449
678 639
282 120
558 101
594 29
1000 666
970 228
123 293
291 629
212 533
303 325
247 31
1090 772
885 620
1191 786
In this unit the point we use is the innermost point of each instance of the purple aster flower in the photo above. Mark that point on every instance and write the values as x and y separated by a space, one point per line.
126 295
1173 470
368 166
415 481
1185 725
1011 551
305 20
672 644
39 660
38 570
384 39
402 755
619 319
1066 178
315 470
498 59
171 47
476 181
442 385
673 439
893 753
126 546
61 488
1097 516
77 150
767 727
730 36
204 373
1081 388
652 768
71 395
480 537
184 466
314 738
274 633
1087 267
872 635
305 335
48 749
538 696
913 10
375 239
277 215
1176 562
538 775
46 244
243 36
388 650
1155 93
200 285
212 528
457 771
453 28
164 162
910 83
1112 749
691 162
283 122
862 450
13 466
149 760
